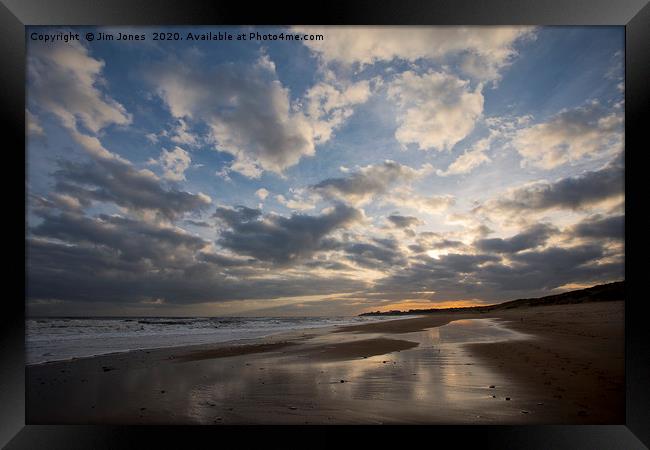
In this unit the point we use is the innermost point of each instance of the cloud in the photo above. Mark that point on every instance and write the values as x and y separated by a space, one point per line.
532 237
329 104
114 181
174 163
250 113
370 181
299 199
278 239
586 132
33 125
405 197
437 110
64 80
262 193
387 183
551 268
469 160
403 221
379 254
600 227
528 273
130 240
83 275
574 193
181 134
484 50
246 108
84 260
428 240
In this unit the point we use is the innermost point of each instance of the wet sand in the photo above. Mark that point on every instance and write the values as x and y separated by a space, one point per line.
551 364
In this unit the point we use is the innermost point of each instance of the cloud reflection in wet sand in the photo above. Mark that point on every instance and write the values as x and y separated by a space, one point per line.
436 381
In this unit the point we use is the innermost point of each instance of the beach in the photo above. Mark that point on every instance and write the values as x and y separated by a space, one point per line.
558 364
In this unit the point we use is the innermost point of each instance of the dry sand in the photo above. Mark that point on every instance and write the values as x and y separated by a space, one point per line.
552 364
577 359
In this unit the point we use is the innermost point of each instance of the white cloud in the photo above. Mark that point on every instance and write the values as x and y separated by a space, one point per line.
437 109
484 50
246 108
406 197
65 80
181 134
262 194
300 200
590 131
329 104
469 160
174 163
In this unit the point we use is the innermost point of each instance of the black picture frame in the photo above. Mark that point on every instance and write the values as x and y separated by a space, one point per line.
634 15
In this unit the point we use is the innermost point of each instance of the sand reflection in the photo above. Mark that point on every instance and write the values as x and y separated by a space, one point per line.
436 378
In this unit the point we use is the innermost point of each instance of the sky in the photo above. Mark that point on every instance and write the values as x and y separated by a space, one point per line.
365 169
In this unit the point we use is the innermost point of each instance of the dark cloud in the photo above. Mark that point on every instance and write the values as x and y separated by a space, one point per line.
280 239
533 237
488 277
403 221
600 227
446 243
384 253
129 239
444 274
559 256
94 274
225 261
550 268
115 181
568 193
235 216
119 260
417 248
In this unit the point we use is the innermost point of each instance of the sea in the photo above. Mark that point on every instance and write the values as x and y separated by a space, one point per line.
62 338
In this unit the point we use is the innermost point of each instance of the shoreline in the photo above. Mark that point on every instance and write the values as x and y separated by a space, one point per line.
230 342
406 370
